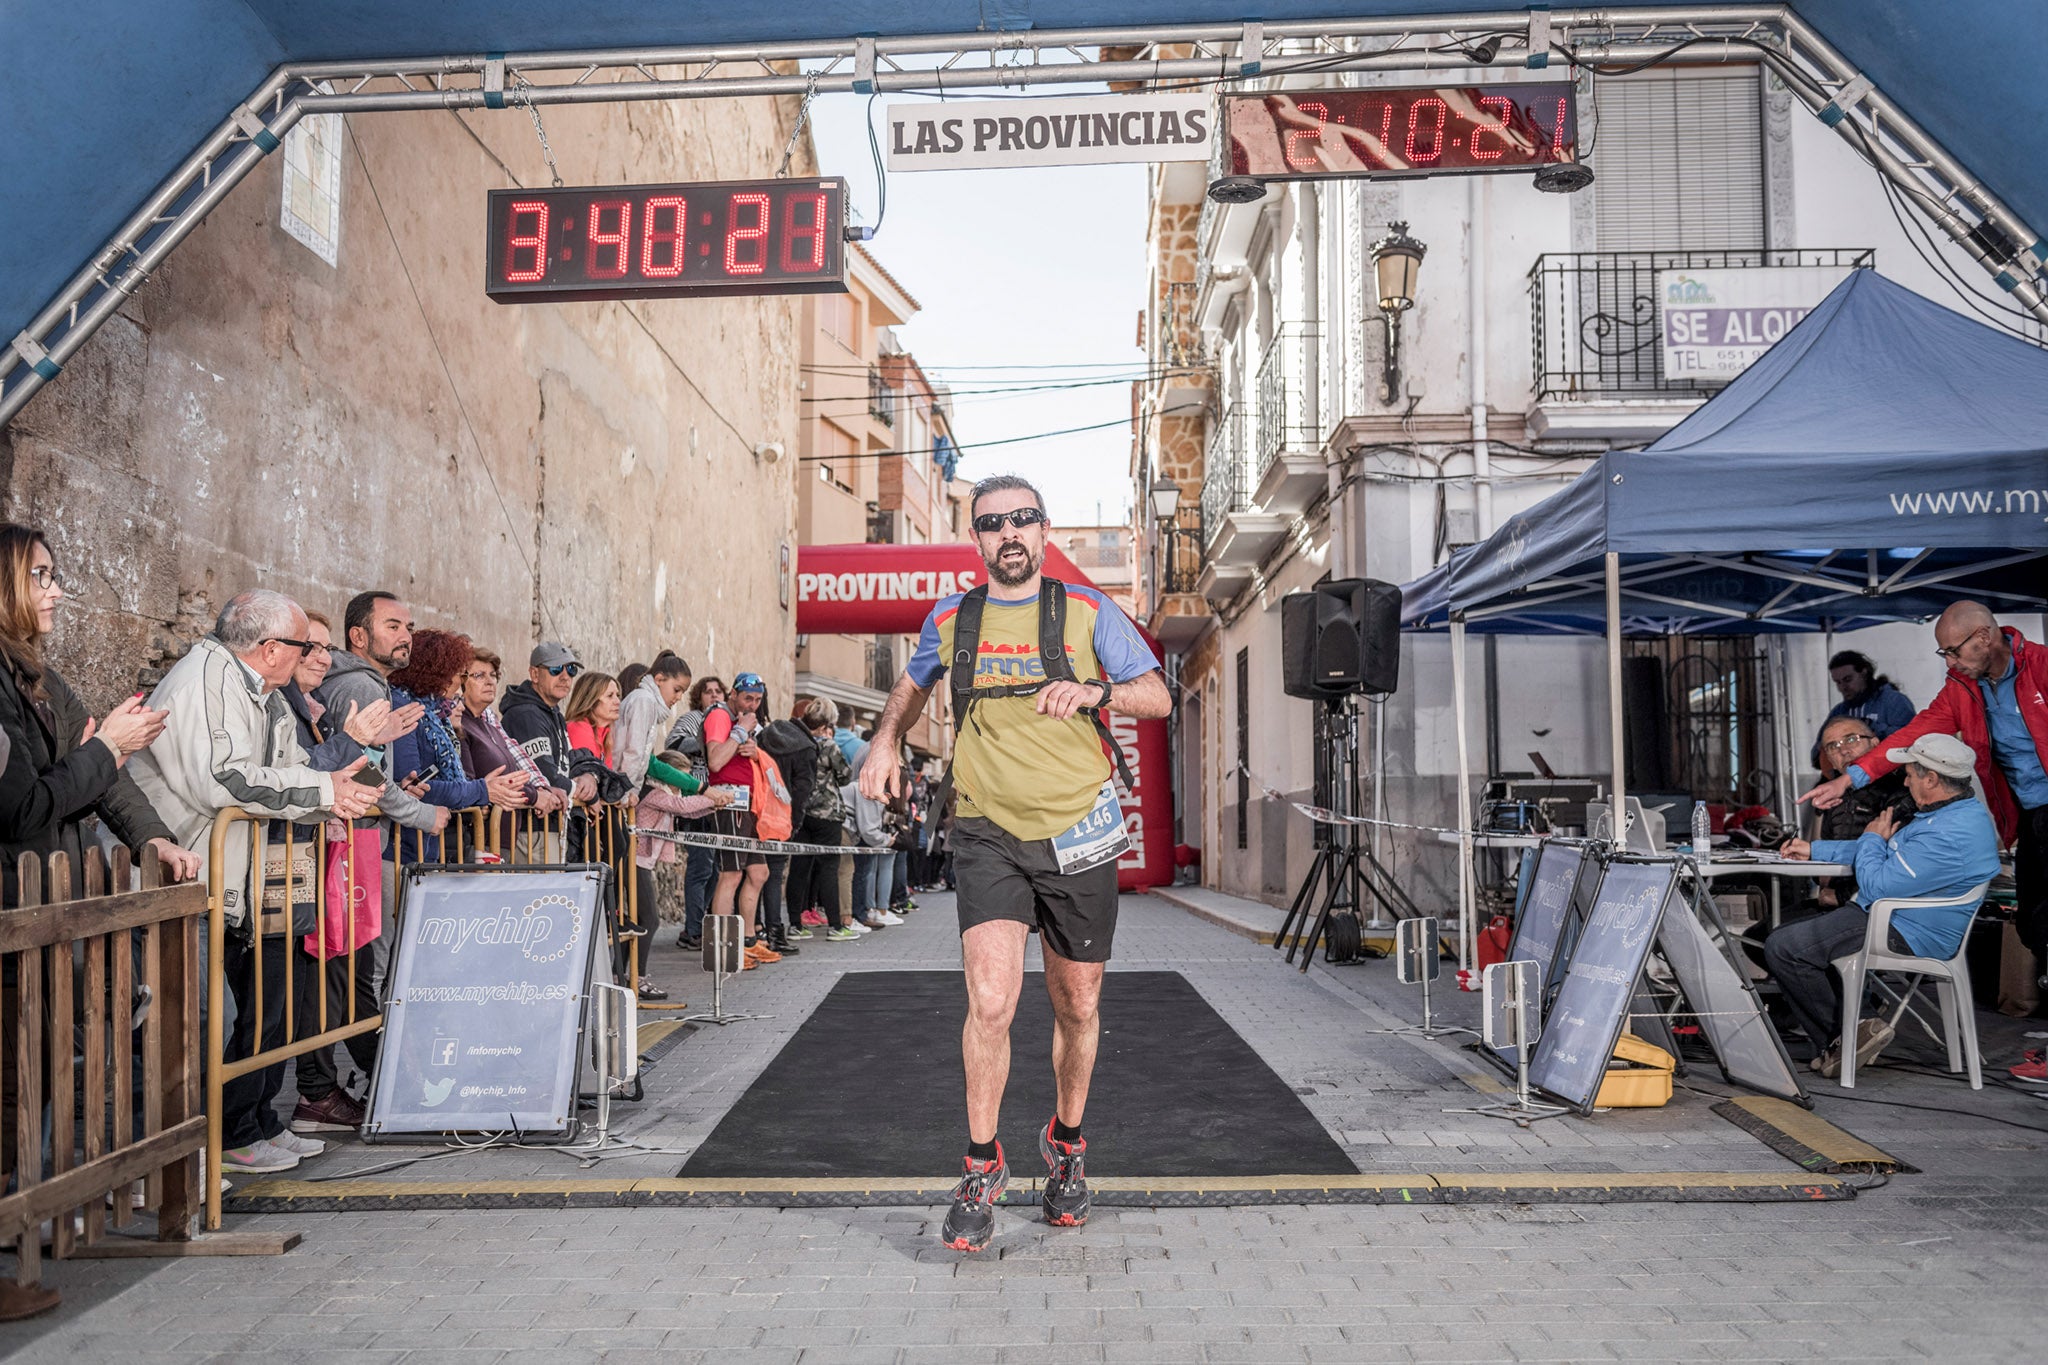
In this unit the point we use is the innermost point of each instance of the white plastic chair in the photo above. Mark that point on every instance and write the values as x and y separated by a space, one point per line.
1951 983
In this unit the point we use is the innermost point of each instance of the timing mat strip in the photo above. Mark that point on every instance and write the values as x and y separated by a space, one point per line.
1657 1187
1806 1139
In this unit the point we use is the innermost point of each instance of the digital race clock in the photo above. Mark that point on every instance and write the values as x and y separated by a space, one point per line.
727 237
1377 131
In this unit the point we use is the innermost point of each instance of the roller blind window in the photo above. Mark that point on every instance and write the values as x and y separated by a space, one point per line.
1679 160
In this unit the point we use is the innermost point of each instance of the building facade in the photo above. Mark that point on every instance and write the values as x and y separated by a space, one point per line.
876 466
1105 554
1297 449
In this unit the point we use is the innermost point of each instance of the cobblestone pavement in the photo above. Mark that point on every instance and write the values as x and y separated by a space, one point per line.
1945 1265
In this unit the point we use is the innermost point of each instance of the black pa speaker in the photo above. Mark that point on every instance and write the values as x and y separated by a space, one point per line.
1339 638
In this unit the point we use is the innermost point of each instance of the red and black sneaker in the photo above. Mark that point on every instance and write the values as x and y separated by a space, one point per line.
1066 1188
971 1222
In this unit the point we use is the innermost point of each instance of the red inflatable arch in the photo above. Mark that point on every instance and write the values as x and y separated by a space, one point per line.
890 589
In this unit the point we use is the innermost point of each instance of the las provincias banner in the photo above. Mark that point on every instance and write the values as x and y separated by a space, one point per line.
890 589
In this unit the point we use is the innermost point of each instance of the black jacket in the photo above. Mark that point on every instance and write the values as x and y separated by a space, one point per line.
537 727
796 754
52 782
612 785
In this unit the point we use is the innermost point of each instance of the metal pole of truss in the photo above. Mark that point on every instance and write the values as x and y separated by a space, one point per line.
1230 52
2020 275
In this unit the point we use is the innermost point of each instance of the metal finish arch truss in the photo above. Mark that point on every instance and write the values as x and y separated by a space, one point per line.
1214 54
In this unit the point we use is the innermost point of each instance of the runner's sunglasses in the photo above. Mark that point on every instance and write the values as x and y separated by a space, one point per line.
988 523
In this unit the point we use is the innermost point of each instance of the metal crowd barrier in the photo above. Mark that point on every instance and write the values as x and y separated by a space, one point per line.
519 837
100 1010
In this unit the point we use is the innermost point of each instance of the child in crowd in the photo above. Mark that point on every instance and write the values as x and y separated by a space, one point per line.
662 803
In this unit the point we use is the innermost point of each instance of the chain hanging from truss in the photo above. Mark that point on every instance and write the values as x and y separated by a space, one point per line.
803 116
518 95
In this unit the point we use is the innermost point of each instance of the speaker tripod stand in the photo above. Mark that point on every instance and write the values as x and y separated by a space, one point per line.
1345 871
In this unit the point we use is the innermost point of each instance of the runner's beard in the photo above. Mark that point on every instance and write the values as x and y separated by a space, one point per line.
1009 577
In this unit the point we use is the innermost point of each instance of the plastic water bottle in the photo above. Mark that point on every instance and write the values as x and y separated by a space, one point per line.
1702 831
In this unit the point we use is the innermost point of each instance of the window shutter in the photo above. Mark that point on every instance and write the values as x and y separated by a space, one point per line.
1678 154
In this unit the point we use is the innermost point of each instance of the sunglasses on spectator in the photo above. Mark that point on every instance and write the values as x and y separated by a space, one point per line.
1835 745
559 669
988 523
46 578
304 647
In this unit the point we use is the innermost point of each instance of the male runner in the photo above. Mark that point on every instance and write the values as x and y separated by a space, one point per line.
1034 796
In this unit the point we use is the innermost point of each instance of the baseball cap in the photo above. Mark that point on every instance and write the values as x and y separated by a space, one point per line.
551 654
1944 754
748 682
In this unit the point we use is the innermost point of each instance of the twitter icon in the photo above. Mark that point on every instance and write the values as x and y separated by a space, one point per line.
437 1092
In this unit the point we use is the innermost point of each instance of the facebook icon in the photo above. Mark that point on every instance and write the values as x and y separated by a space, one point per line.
446 1050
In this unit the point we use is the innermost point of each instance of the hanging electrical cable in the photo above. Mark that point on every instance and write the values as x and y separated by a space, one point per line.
963 450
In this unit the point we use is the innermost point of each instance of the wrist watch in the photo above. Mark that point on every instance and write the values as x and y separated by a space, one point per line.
1103 683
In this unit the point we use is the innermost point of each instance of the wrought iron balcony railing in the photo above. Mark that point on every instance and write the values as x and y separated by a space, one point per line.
1597 326
1285 374
1226 473
881 664
1180 333
1180 550
881 399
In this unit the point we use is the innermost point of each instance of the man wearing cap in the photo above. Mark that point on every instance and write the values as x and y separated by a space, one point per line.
1996 700
532 716
1947 847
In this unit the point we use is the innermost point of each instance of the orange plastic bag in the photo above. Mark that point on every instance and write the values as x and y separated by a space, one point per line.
770 798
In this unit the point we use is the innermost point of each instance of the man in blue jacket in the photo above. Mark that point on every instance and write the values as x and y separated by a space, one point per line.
1944 848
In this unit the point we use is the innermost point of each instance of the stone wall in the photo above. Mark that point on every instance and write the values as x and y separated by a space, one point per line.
582 471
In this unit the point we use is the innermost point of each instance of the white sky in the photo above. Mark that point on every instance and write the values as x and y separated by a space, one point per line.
1014 267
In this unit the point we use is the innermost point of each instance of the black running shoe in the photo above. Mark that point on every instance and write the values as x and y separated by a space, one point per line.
971 1222
1066 1188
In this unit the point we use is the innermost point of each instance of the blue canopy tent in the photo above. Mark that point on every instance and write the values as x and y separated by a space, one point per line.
1886 458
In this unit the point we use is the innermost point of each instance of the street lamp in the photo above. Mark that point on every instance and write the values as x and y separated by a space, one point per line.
1165 499
1396 261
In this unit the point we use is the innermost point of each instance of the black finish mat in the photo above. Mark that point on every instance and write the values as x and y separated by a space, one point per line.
871 1085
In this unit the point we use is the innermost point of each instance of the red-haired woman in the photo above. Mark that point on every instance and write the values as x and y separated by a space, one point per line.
433 678
61 765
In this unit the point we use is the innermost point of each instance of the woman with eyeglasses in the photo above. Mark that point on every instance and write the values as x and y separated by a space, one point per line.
485 745
332 742
62 765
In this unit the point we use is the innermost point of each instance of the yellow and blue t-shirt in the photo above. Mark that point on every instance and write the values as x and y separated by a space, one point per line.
1032 775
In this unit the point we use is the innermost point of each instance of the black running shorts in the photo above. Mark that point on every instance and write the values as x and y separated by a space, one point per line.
1002 877
741 823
